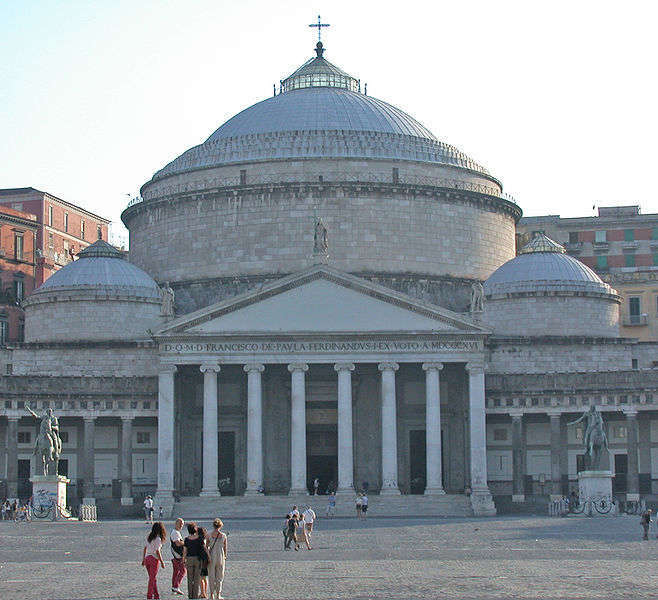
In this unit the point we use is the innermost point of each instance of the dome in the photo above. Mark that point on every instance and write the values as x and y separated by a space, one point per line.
543 265
101 267
320 113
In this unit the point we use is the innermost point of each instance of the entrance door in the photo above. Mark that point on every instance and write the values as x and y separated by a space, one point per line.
619 483
322 456
24 487
226 445
417 461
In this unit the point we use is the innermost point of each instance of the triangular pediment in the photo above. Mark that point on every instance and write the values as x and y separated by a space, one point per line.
320 299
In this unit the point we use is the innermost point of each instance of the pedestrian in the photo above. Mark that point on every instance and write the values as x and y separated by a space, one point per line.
286 539
177 562
14 510
316 485
152 557
4 510
309 518
205 559
331 505
301 533
645 521
294 512
191 556
359 501
148 509
160 513
292 531
217 543
364 505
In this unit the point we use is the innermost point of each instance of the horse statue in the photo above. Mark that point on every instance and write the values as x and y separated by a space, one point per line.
594 437
48 445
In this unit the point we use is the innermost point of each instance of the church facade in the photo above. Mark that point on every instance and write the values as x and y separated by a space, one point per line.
323 289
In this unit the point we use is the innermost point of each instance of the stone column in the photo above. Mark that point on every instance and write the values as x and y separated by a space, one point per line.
12 457
89 461
298 429
633 479
480 496
434 480
164 495
345 441
518 457
389 430
126 460
556 443
254 428
210 431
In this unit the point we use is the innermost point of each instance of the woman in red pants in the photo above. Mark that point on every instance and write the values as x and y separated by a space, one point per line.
152 557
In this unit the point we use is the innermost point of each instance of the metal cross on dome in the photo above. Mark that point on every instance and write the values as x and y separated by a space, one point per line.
319 25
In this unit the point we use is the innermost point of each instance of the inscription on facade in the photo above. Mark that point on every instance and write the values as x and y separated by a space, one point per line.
322 347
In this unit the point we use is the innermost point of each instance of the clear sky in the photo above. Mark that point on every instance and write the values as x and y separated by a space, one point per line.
558 99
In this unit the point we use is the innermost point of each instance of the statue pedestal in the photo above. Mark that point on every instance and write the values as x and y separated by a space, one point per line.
594 487
49 496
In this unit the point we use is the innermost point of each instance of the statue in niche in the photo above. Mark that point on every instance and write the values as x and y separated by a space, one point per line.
168 298
594 437
48 444
477 297
320 238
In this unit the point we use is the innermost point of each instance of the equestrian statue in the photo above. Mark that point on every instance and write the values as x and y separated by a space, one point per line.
594 437
48 445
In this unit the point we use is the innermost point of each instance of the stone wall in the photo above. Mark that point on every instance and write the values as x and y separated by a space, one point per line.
558 354
646 354
552 314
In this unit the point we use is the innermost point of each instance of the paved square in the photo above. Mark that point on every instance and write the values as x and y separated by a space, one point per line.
504 557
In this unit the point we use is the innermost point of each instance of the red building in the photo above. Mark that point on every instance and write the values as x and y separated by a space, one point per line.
63 229
18 233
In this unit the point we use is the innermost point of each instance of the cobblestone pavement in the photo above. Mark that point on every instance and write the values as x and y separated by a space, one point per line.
504 557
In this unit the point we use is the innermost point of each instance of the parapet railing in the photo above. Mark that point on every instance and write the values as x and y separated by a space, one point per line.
587 507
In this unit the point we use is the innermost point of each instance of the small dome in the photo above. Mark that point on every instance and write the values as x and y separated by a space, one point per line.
542 265
101 267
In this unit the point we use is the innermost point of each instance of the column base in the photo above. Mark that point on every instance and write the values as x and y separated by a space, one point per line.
164 498
298 492
253 492
210 493
345 492
127 501
482 503
518 497
89 500
630 497
555 497
390 491
434 491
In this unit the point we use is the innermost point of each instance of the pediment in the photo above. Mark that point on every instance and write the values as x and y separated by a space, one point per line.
320 299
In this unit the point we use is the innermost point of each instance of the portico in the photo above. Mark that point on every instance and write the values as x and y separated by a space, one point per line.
304 395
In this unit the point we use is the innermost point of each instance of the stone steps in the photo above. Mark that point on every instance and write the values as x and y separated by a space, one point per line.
231 507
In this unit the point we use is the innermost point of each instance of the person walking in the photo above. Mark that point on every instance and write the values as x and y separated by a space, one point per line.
217 543
359 501
364 505
152 557
286 539
292 531
316 485
301 533
191 556
331 505
204 558
148 509
4 510
177 562
645 521
309 519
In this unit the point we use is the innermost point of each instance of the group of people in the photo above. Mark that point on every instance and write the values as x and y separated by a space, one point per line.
201 555
14 511
298 527
361 505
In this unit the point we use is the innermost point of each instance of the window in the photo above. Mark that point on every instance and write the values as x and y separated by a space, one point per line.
99 231
24 437
64 435
573 237
601 262
500 435
630 260
634 364
654 233
66 249
19 290
66 221
619 431
143 437
396 175
4 331
243 177
50 216
629 235
634 307
21 330
18 246
82 229
655 260
63 467
51 241
600 237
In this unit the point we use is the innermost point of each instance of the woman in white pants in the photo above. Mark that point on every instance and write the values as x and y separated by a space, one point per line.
217 550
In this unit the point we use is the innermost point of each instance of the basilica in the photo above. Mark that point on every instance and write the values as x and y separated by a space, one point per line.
323 289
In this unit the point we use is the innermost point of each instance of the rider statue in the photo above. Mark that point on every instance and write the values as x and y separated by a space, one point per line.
594 437
48 443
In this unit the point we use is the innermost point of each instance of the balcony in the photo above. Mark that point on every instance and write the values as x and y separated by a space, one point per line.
574 247
630 245
635 320
600 246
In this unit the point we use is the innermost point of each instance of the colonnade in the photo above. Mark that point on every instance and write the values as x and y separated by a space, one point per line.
344 370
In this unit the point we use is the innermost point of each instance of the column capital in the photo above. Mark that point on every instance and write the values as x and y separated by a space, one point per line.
344 366
388 366
258 367
554 414
126 418
432 366
292 367
164 369
476 368
88 419
210 368
516 414
630 413
13 419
